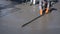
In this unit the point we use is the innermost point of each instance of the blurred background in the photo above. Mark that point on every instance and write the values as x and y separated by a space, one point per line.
15 13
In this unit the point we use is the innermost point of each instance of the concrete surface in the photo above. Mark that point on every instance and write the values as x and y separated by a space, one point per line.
14 15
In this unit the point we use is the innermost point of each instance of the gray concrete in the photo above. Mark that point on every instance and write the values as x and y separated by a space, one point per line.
13 16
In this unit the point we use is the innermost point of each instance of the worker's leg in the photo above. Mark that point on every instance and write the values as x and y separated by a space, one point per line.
31 2
48 4
34 1
40 7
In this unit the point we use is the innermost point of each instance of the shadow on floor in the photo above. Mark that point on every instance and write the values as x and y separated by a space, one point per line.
20 1
13 3
7 8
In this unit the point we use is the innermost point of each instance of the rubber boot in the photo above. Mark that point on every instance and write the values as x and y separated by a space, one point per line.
47 10
41 12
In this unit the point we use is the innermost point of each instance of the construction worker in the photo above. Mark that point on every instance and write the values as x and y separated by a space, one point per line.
32 2
43 4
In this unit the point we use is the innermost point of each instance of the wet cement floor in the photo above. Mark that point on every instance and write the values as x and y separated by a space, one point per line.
14 15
